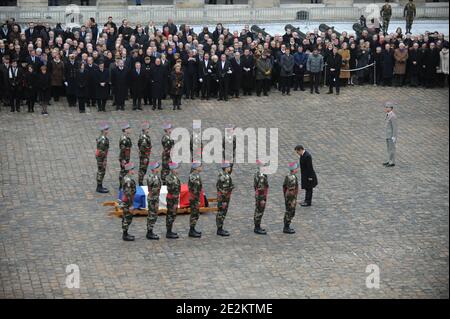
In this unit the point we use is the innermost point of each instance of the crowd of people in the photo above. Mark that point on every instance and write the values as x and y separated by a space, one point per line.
92 64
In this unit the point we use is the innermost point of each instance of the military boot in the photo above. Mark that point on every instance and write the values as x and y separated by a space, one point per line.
127 237
260 231
151 235
194 233
288 230
171 234
101 189
222 232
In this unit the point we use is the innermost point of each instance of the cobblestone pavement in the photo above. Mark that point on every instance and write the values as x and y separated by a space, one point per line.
362 213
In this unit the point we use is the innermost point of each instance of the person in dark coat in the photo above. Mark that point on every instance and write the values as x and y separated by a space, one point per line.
165 66
15 85
224 72
431 60
205 70
82 87
248 66
43 87
102 80
137 85
191 75
119 81
300 59
308 175
29 85
334 63
377 59
414 65
388 65
147 69
91 69
287 71
238 71
70 75
176 90
158 77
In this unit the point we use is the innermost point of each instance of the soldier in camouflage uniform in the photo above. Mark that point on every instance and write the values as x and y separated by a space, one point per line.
154 188
173 193
195 188
386 14
128 191
125 145
101 155
196 142
145 148
290 191
409 12
167 144
229 139
261 186
224 188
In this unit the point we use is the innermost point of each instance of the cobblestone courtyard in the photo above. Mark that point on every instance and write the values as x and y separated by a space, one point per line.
362 213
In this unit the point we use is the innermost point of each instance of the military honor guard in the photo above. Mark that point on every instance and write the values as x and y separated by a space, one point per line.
409 12
167 144
128 191
125 145
195 188
261 186
173 193
101 154
290 191
386 14
145 149
391 130
154 188
224 188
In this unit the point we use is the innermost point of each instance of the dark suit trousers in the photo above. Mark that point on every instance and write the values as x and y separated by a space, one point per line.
308 195
314 81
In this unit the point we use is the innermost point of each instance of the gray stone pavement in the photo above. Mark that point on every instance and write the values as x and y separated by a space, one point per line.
362 213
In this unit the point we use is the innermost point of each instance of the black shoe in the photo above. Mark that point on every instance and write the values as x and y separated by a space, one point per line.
288 230
171 234
304 204
317 92
222 232
160 107
260 231
194 233
101 189
311 92
178 107
127 237
330 92
151 235
385 163
337 93
390 165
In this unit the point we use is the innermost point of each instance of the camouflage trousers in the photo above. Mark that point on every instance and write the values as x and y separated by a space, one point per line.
260 206
127 218
291 203
165 170
123 172
172 204
223 200
152 213
385 26
101 169
409 23
194 203
143 164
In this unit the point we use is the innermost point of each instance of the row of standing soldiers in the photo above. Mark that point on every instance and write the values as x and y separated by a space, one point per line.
169 177
409 13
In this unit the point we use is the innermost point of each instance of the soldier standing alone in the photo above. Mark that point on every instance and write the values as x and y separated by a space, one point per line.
129 189
125 151
410 13
224 188
391 133
290 191
167 144
386 14
154 188
145 149
173 193
261 185
101 155
195 188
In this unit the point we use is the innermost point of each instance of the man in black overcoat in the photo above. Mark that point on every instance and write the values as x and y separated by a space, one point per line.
119 81
137 85
308 175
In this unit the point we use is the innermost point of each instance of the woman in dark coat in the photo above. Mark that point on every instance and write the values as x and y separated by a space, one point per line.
158 77
147 69
352 61
82 88
387 60
363 58
102 80
176 80
44 88
29 84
